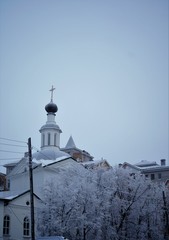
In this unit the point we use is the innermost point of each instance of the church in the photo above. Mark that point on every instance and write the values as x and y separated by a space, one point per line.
47 164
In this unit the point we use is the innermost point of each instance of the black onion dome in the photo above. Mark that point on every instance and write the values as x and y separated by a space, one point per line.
51 107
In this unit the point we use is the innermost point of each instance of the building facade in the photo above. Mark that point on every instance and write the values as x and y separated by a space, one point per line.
152 170
48 165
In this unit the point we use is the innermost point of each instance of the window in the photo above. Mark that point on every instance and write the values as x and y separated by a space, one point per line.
152 176
6 225
55 139
159 176
8 184
48 138
43 139
26 226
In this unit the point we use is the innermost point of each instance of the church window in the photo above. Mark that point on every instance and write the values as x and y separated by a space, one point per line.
55 139
8 184
26 226
43 139
48 138
6 225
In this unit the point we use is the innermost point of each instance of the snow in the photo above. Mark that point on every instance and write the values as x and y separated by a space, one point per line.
88 203
48 162
93 162
9 195
49 154
146 163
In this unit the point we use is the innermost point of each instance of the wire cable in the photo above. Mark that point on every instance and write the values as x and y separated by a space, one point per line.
13 145
12 140
11 151
4 159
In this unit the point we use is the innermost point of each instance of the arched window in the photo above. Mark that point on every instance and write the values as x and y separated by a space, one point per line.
55 139
48 138
26 226
8 184
6 225
43 139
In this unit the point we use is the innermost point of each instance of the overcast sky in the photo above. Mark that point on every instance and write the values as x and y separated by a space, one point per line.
108 61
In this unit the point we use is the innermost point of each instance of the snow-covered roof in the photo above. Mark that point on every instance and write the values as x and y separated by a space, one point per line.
146 167
145 163
96 164
44 163
49 154
10 195
11 164
155 169
23 164
130 166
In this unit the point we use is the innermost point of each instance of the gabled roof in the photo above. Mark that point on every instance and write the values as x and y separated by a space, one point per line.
23 165
11 195
12 164
45 163
20 166
130 166
96 164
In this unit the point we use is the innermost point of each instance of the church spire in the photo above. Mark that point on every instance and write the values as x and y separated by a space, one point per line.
50 132
70 143
51 107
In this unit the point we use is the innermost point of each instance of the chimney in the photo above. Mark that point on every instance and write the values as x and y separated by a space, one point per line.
163 162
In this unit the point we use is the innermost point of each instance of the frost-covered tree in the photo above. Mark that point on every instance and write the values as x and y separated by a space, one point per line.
104 205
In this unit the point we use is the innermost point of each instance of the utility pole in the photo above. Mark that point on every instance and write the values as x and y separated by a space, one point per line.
31 190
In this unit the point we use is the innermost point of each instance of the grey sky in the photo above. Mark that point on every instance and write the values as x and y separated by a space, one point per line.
109 63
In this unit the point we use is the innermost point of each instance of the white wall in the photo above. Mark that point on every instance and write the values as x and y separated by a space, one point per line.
18 209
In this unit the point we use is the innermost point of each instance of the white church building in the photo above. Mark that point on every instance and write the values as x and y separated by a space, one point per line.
48 163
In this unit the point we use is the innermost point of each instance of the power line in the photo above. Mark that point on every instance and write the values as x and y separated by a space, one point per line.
13 145
11 151
4 159
13 140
